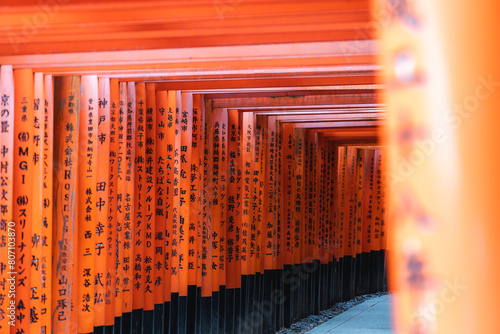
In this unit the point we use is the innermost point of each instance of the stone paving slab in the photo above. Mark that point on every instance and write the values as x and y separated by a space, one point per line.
370 317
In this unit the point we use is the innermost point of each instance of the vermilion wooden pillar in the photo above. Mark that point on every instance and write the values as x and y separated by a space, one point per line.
299 217
36 201
140 204
6 172
102 204
150 288
443 79
87 194
287 157
367 210
196 197
111 254
223 172
233 214
22 191
130 131
187 235
216 211
48 204
164 159
120 202
206 256
66 115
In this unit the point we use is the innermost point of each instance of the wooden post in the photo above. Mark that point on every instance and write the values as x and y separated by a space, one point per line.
223 172
164 159
22 192
48 205
102 201
112 224
358 195
120 203
216 212
7 176
36 202
299 216
195 197
233 209
128 207
139 217
367 210
187 230
206 265
87 200
66 118
150 289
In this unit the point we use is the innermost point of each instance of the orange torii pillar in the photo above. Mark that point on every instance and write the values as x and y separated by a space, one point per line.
48 204
287 174
102 203
195 198
263 309
442 135
87 195
7 310
66 118
163 157
233 216
36 203
366 209
223 219
299 214
140 205
23 196
269 230
112 192
330 185
150 288
206 256
324 227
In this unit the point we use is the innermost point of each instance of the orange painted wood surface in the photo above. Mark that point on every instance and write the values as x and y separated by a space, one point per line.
37 203
87 196
112 223
102 200
48 204
165 134
139 218
6 173
66 118
206 265
150 288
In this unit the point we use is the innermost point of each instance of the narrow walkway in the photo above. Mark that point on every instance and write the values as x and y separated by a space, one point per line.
370 317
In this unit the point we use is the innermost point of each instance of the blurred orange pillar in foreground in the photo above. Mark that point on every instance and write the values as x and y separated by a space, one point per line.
441 60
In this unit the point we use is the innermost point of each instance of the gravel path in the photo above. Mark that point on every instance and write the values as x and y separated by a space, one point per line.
312 321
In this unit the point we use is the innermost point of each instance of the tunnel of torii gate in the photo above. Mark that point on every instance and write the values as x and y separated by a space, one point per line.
186 211
222 166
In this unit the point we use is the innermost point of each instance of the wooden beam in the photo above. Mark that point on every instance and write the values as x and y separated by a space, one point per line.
340 124
340 99
317 112
246 57
74 26
273 92
312 108
314 118
304 80
290 90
